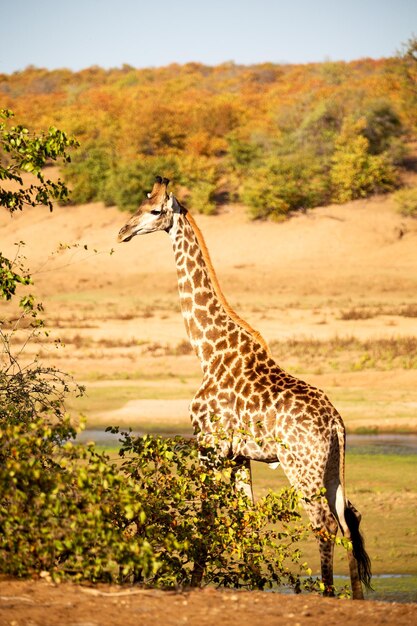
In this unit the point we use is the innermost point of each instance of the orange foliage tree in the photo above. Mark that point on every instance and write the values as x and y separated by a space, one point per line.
222 132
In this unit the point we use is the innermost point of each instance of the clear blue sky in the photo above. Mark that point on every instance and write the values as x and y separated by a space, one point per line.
145 33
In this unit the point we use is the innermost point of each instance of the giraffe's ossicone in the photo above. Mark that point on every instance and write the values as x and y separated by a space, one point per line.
247 406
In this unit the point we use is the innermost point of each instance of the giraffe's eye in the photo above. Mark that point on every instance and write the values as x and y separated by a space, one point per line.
156 212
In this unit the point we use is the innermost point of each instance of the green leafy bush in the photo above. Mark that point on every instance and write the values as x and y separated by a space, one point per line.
202 530
283 184
355 172
243 154
23 151
200 177
88 172
318 131
406 200
128 182
201 197
9 278
64 508
161 518
382 126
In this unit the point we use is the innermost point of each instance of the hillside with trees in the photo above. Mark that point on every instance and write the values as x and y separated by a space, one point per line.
276 137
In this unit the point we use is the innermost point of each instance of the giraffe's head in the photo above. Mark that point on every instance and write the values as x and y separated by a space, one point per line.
155 213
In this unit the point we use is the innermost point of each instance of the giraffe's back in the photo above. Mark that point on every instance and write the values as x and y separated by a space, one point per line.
260 410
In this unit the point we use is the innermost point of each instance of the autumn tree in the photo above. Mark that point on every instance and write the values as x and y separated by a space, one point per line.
230 123
355 172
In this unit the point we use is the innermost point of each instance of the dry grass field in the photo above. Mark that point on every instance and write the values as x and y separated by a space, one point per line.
334 291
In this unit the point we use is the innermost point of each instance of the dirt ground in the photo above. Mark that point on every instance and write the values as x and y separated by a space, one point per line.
40 603
119 319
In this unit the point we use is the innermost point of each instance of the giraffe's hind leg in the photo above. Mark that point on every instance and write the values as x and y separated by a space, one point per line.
320 510
347 518
325 527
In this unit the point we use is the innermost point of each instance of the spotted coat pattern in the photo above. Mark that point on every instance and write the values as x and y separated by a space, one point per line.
262 412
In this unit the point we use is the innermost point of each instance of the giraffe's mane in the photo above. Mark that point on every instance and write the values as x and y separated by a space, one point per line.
213 276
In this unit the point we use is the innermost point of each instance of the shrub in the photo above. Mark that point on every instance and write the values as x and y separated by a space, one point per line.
200 177
242 154
319 129
355 173
162 517
283 184
382 126
406 200
195 520
128 181
88 172
126 184
201 197
64 508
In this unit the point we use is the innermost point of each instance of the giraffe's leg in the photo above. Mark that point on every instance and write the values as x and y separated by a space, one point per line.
325 525
355 582
242 476
359 562
348 519
200 558
201 551
309 481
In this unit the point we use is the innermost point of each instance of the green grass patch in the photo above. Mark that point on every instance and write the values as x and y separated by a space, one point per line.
393 588
384 489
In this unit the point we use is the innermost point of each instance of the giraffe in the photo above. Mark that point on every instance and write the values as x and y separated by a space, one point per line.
263 413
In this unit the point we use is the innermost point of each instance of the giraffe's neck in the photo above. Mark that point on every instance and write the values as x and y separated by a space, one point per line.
210 322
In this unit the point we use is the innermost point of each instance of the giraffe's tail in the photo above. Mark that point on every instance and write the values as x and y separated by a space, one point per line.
352 518
349 518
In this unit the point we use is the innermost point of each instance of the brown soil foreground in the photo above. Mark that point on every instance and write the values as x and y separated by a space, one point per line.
39 603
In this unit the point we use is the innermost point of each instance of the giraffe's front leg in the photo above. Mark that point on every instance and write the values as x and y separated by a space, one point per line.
242 477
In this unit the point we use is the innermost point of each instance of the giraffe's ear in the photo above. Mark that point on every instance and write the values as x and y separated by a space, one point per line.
159 189
173 204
